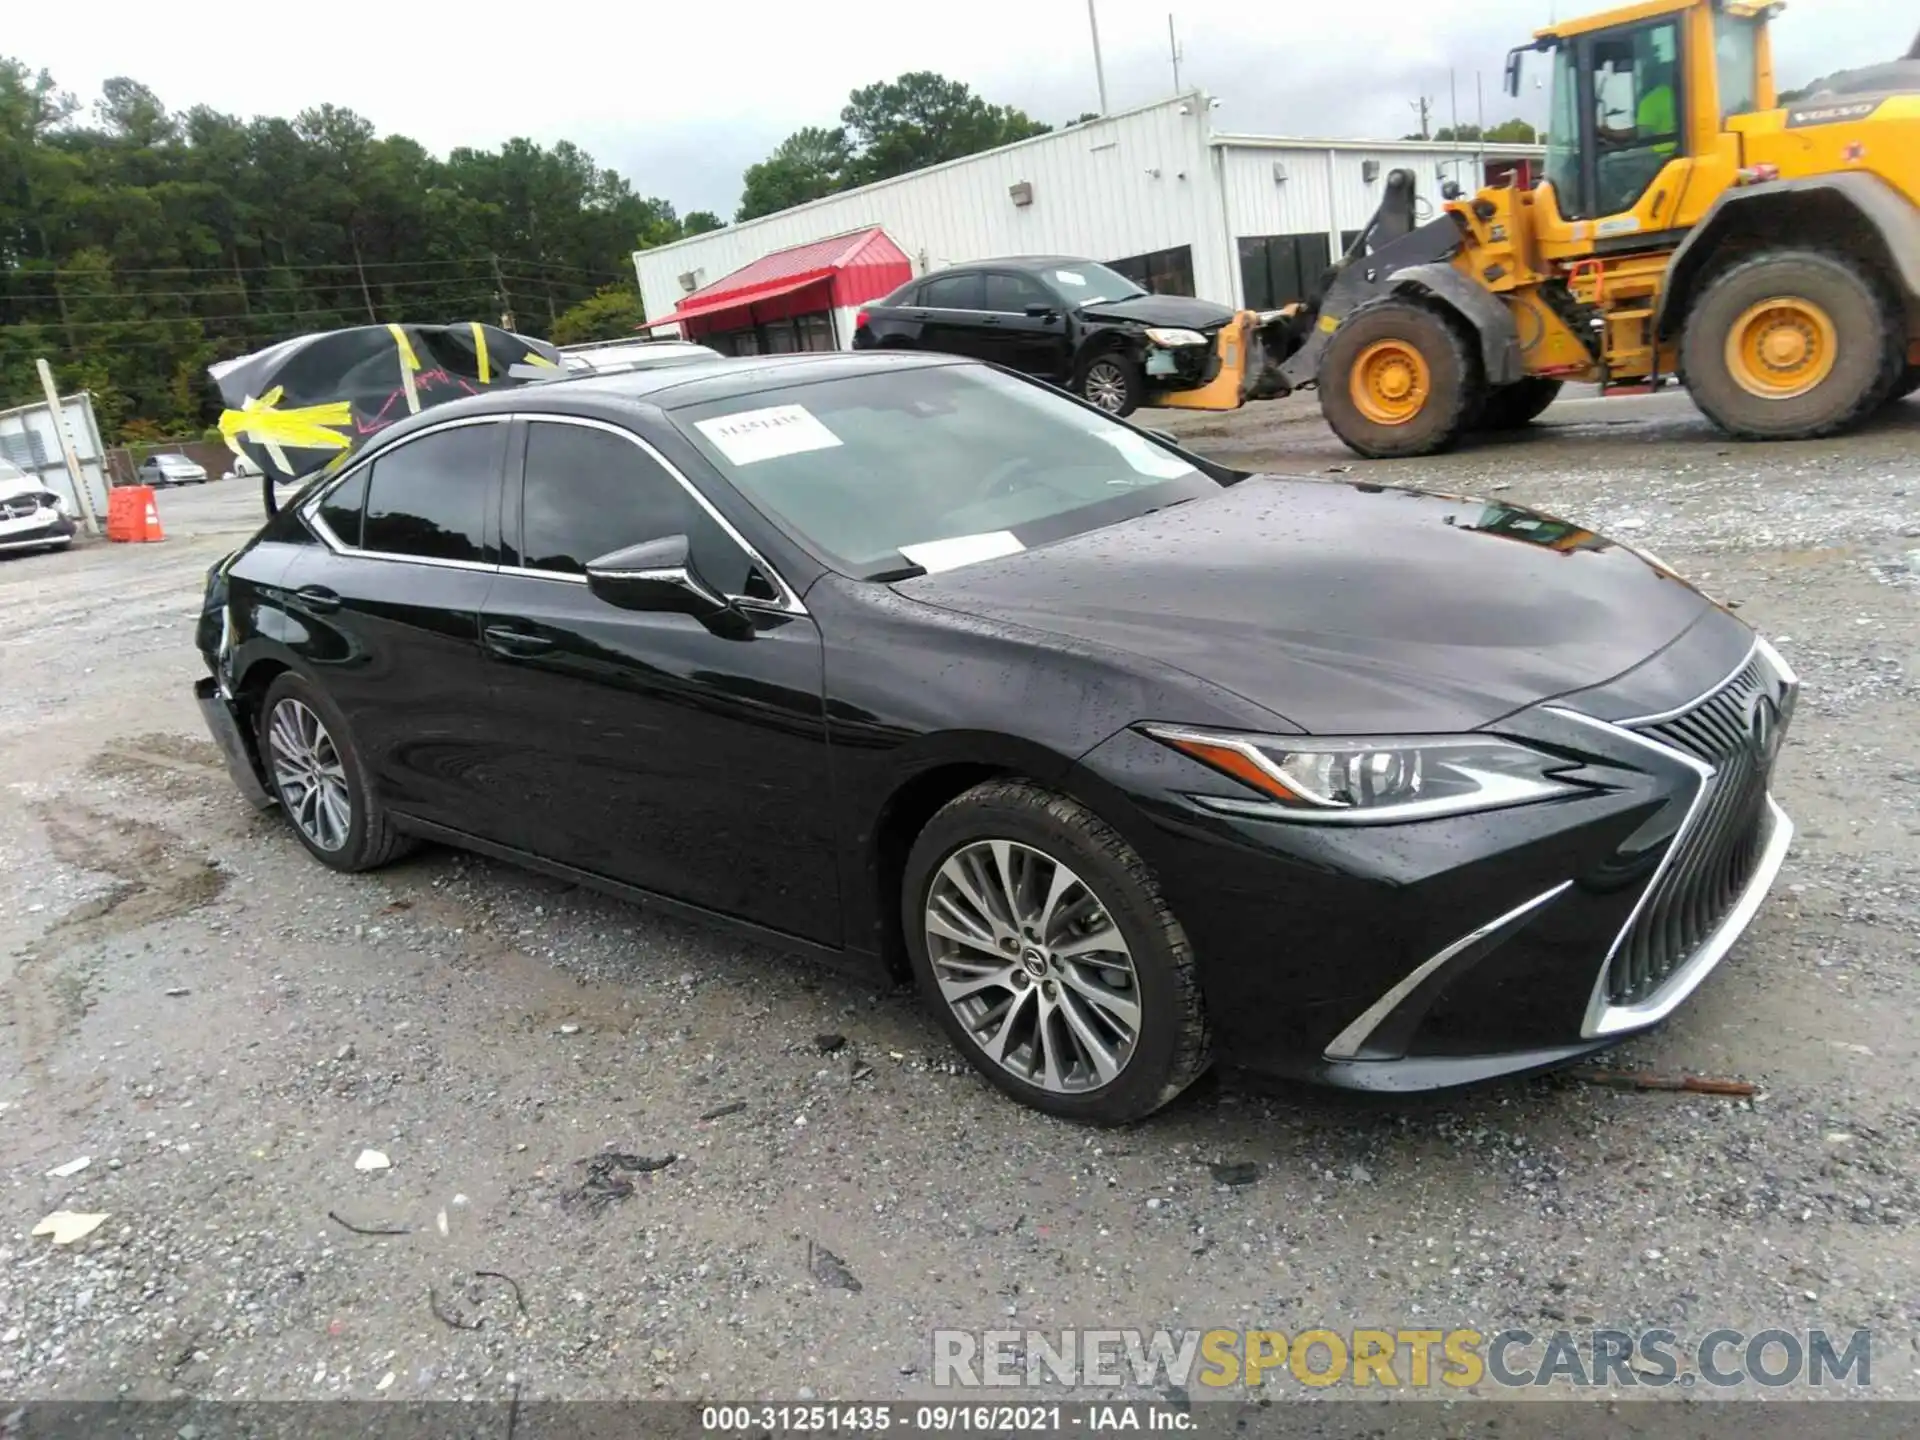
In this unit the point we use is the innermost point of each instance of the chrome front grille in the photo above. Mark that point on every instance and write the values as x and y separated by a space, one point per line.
1734 730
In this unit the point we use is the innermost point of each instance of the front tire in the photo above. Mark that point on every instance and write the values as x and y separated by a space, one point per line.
1111 382
317 776
1398 379
1792 345
1042 942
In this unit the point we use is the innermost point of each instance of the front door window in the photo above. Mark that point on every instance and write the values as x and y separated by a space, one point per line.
1636 111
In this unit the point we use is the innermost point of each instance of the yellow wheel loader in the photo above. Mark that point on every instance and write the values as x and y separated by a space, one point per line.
1688 226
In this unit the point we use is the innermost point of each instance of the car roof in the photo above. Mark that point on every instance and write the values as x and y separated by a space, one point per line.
694 382
1024 263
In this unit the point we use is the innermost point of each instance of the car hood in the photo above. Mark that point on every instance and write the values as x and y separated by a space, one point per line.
12 485
1346 608
1181 310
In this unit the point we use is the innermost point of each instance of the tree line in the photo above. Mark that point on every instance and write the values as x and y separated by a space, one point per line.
138 245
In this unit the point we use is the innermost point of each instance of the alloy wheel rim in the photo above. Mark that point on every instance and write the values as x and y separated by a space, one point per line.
1107 387
1391 382
1782 347
310 775
1031 963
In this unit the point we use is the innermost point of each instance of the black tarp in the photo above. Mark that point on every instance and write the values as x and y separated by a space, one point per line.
310 402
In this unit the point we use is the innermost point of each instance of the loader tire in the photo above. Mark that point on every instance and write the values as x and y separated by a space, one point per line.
1793 345
1399 379
1516 406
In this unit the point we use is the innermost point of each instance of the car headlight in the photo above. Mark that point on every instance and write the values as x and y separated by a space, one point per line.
1375 781
1176 337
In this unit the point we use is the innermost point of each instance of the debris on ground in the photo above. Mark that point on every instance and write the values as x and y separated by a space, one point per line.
569 1029
372 1160
451 1321
346 1224
519 1300
829 1043
177 991
719 1112
607 1175
1236 1172
67 1226
1646 1080
829 1269
72 1167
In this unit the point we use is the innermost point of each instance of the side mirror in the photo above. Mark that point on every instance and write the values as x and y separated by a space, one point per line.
1041 312
657 576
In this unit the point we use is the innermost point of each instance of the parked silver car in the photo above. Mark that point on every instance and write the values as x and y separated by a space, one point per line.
164 470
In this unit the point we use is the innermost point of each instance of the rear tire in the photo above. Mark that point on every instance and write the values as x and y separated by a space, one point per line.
1042 995
1399 379
1792 345
1516 406
316 773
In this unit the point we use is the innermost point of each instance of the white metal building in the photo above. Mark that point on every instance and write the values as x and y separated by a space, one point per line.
1245 219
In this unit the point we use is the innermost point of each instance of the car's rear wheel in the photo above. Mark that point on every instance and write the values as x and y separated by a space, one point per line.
1043 944
1112 382
317 776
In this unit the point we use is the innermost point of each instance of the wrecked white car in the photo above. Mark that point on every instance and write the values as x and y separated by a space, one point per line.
32 517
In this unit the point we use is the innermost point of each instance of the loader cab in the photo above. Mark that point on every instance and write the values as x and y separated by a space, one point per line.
1639 102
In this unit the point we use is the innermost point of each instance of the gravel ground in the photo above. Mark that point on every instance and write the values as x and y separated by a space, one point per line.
223 1026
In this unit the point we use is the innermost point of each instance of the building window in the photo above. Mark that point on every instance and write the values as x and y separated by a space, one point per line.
1276 270
1347 237
1162 272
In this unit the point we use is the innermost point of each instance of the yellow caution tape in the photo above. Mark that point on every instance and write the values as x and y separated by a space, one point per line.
534 357
480 350
261 420
407 357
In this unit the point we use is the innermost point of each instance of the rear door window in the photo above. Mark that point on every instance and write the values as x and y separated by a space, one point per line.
430 497
953 292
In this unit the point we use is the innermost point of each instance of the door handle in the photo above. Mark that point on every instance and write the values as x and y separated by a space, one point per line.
916 315
505 640
319 599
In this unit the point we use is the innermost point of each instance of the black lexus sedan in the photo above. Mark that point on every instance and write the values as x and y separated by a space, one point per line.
1073 323
1133 762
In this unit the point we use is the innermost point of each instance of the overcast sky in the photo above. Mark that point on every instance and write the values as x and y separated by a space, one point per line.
682 95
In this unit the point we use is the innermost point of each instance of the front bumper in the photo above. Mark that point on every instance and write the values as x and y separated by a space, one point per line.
226 724
1425 955
37 534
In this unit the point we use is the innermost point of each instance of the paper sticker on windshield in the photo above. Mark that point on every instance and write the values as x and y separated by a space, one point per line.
754 435
1145 457
1069 277
936 555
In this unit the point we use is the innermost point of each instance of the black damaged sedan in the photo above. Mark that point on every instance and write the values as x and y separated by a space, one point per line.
1134 763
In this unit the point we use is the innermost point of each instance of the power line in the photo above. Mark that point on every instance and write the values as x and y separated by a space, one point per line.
479 260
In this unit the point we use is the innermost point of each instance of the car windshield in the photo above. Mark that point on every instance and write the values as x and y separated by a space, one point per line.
173 462
1084 283
932 467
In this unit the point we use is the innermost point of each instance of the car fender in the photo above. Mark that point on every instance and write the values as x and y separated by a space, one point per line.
1484 311
1884 212
1131 342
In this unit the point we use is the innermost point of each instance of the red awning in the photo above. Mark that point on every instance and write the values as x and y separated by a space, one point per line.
708 302
856 267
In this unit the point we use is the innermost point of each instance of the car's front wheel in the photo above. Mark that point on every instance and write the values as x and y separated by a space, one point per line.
1043 943
1113 383
319 779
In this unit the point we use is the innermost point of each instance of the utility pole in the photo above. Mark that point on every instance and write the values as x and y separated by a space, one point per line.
365 294
1099 68
240 283
1173 49
1423 105
500 293
74 473
1480 119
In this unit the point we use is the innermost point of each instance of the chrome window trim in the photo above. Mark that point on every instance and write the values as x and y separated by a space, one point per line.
1350 1041
309 511
788 603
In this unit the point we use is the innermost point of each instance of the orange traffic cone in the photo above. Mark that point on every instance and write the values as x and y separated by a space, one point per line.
132 515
